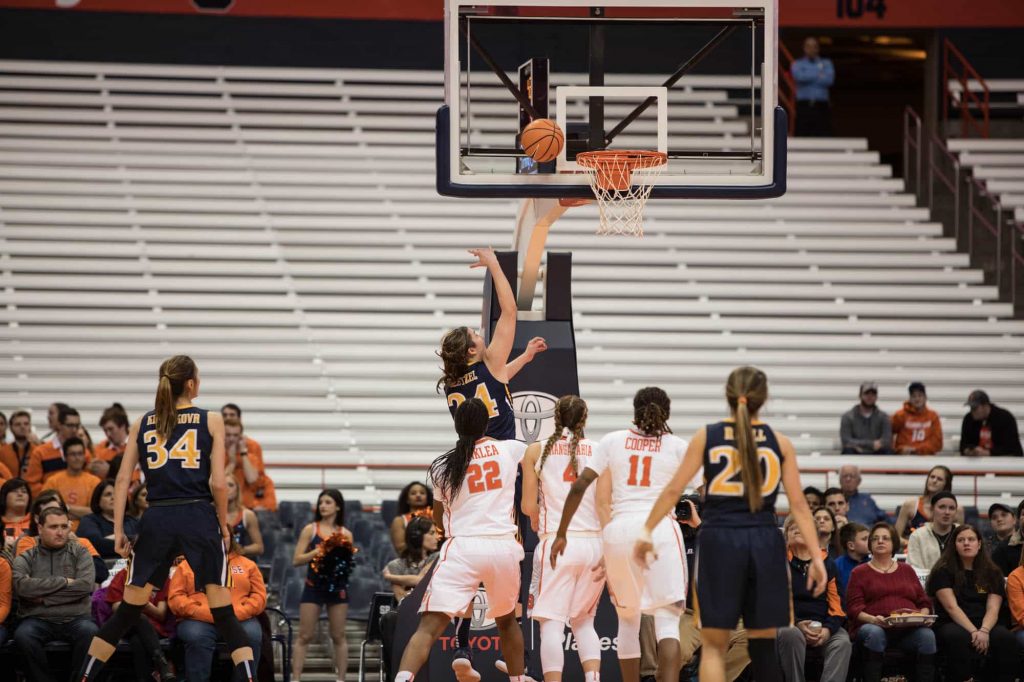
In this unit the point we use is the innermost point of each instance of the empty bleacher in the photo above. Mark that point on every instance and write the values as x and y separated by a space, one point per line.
281 226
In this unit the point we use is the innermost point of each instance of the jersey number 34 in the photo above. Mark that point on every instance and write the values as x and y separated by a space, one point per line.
185 450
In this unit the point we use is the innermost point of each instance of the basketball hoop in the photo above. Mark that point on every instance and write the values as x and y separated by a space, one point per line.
622 182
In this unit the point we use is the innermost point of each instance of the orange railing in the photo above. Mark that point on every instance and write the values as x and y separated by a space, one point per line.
956 67
787 86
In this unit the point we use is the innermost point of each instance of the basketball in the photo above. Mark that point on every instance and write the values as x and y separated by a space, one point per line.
542 140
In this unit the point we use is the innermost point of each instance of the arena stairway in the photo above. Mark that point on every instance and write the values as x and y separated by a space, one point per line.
281 226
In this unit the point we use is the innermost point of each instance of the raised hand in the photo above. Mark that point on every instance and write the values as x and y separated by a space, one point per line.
484 257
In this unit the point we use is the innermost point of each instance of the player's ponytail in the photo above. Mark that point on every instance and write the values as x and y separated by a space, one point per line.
746 391
570 413
449 470
651 408
174 373
454 352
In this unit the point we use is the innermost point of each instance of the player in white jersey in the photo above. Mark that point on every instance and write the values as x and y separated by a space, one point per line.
474 501
567 594
640 462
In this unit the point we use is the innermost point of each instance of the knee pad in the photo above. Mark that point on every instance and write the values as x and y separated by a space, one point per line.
126 616
587 641
629 635
552 656
666 622
764 659
229 628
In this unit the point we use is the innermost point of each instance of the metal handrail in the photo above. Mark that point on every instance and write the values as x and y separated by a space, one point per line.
787 86
952 57
912 142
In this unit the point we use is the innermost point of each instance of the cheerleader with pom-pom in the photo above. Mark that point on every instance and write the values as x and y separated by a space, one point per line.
326 546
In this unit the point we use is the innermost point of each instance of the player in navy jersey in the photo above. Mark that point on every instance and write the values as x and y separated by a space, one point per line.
741 562
473 370
182 456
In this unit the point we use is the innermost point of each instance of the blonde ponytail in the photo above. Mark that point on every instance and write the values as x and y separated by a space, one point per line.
174 373
746 391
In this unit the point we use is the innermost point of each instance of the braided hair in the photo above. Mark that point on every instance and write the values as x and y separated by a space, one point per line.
449 470
570 413
454 352
651 408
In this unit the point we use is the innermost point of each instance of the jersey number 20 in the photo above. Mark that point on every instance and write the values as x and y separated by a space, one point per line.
724 484
481 477
185 450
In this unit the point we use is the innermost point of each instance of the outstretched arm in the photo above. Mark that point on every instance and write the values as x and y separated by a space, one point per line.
505 330
536 345
572 503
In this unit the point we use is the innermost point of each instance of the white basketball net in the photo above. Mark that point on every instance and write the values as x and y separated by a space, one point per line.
621 211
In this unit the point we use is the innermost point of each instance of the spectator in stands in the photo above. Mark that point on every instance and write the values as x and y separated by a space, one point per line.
3 428
968 591
98 527
815 498
1002 521
878 589
6 597
144 637
825 522
54 582
138 501
245 527
47 459
988 430
53 421
114 422
1007 555
420 547
818 620
16 454
916 429
328 541
917 511
814 75
1015 598
51 499
415 499
15 496
865 429
835 500
853 540
231 411
862 507
195 621
927 543
245 463
74 484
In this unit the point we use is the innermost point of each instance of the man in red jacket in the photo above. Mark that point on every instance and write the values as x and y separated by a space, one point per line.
916 429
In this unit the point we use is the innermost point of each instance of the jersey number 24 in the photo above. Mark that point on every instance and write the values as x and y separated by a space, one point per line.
185 450
724 484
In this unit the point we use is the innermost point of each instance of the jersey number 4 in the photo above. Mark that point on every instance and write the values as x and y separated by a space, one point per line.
481 477
185 450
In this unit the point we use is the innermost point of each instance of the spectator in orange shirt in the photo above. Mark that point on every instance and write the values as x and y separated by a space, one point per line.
916 429
144 637
53 421
1014 596
15 455
231 411
15 498
75 484
245 464
195 622
48 458
114 423
98 527
6 595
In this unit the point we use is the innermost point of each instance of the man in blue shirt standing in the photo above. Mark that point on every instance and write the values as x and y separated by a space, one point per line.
814 75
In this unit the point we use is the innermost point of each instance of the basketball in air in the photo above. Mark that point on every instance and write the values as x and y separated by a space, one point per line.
542 140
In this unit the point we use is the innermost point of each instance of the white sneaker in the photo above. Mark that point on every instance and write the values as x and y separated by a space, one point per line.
463 669
503 669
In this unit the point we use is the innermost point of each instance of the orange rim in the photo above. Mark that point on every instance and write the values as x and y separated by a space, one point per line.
614 168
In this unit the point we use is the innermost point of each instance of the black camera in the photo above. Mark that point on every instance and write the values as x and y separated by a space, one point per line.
683 509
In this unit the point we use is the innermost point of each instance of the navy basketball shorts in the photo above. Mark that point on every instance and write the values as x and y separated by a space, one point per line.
166 531
321 597
742 572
